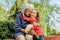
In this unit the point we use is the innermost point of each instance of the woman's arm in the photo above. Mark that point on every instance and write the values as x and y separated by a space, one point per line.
18 25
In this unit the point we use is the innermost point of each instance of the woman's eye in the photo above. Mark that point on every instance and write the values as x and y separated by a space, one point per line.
31 12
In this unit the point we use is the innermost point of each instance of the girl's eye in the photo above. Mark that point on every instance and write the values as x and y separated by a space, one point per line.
34 13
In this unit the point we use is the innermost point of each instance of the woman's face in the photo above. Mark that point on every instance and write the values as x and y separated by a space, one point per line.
28 12
34 13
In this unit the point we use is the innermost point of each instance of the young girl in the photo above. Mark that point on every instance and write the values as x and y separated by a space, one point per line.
35 27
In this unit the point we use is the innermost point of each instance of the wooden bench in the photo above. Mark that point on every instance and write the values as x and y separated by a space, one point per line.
52 37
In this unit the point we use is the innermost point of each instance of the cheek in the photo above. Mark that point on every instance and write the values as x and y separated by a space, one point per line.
34 15
27 13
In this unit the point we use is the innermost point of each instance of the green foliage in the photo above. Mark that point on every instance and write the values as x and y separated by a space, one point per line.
6 24
6 29
49 30
54 31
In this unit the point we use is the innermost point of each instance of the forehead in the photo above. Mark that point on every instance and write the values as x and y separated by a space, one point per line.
35 11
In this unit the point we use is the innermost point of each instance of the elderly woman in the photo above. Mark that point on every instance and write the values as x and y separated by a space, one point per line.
21 24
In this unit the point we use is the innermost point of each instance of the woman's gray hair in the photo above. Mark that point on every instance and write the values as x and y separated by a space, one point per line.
26 6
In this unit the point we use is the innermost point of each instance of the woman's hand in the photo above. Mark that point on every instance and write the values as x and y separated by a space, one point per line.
30 32
23 30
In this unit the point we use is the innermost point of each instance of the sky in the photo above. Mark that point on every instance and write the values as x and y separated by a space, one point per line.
38 1
55 2
55 24
51 2
10 4
55 21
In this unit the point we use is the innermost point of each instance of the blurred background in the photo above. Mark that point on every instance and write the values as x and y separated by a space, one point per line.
49 16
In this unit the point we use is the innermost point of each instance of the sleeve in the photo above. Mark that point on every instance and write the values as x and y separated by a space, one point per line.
18 23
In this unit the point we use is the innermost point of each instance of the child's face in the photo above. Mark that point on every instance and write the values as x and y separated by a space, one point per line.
34 13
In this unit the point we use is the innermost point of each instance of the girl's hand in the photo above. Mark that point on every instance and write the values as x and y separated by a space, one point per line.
23 30
35 34
35 24
37 37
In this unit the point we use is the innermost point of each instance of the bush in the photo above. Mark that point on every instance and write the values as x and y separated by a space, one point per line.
6 29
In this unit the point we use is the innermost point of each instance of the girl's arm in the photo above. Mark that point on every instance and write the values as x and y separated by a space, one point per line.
35 24
35 34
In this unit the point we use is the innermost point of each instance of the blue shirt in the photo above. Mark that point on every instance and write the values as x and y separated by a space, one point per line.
20 24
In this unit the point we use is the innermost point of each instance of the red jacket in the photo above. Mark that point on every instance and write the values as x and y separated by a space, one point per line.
37 28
